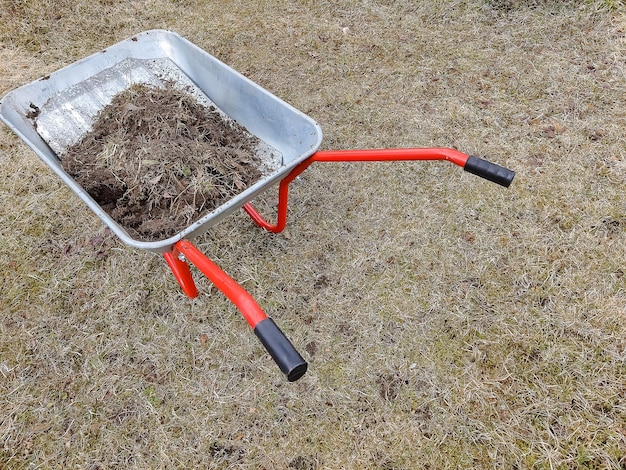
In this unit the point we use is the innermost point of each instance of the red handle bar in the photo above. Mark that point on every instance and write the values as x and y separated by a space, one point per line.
475 165
275 342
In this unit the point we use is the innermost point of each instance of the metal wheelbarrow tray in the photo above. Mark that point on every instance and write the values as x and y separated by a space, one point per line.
54 112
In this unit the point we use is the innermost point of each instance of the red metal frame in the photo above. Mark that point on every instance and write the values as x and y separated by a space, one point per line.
275 342
451 155
246 304
181 272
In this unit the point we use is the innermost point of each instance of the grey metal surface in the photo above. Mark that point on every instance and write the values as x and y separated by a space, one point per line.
67 116
54 112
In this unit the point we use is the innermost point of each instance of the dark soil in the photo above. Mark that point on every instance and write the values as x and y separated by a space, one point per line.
157 160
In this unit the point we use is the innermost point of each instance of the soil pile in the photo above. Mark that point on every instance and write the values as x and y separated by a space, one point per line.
156 160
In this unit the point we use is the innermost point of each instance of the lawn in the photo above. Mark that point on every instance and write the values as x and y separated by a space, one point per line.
448 322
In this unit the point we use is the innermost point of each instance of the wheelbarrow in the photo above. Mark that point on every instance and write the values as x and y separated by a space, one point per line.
52 113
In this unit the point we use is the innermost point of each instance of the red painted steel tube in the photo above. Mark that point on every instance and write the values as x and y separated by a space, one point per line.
452 155
181 272
235 293
283 197
374 155
483 168
479 167
273 339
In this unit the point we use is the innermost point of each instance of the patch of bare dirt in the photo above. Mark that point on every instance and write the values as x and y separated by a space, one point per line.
156 160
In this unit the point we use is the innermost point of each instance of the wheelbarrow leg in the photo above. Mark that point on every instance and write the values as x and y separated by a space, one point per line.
283 196
181 272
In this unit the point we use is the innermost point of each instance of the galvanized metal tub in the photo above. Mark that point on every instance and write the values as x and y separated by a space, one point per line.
53 112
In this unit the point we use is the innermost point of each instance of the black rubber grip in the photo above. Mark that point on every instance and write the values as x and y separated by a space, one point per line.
489 171
281 349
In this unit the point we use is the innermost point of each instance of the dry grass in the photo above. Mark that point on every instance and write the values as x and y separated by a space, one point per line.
448 323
